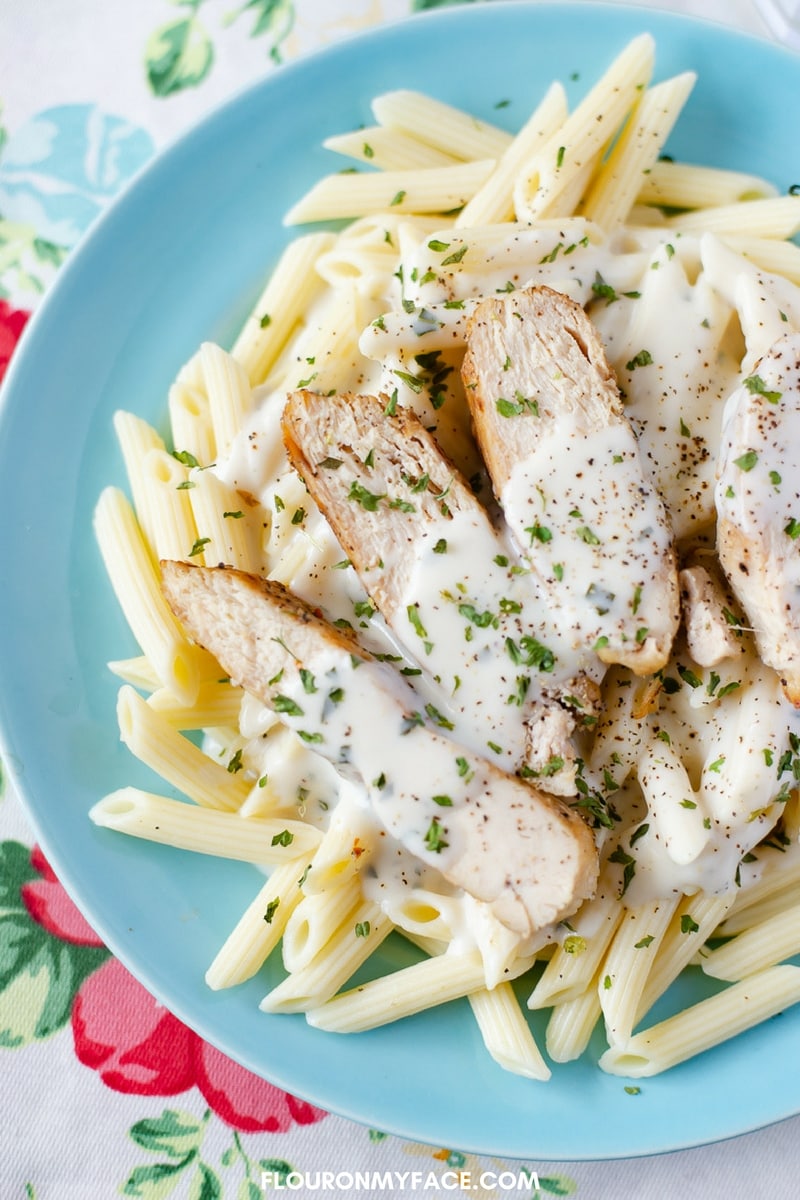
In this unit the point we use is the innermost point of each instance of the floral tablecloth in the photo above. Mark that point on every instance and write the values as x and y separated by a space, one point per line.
104 1092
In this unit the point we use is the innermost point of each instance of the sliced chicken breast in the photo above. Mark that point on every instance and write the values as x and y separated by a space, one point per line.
566 468
758 506
527 855
441 576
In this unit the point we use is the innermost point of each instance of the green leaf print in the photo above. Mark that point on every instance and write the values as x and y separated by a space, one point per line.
27 262
557 1185
175 1134
15 871
422 5
249 1191
179 54
155 1182
205 1184
273 17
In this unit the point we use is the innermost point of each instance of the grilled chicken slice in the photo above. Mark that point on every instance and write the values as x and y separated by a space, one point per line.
758 506
440 574
711 636
566 468
524 853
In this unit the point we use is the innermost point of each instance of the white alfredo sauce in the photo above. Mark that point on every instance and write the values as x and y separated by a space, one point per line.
596 532
665 306
758 488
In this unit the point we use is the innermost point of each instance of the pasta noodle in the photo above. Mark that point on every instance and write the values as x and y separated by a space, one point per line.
705 1024
160 819
688 777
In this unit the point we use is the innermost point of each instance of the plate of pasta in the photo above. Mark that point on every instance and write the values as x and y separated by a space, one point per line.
412 701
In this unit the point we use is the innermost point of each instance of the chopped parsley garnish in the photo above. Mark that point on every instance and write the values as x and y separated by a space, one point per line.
235 763
531 653
285 704
642 359
464 770
482 619
539 533
756 386
516 407
307 679
437 717
434 837
368 500
198 547
456 256
284 838
746 461
628 864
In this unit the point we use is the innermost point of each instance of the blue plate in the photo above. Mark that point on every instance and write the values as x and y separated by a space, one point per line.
179 259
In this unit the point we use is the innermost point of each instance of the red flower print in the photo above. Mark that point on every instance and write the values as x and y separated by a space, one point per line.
245 1101
12 323
135 1043
51 907
137 1046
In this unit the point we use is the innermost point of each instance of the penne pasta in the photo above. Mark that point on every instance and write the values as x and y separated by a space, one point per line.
687 185
494 201
136 439
574 964
571 1024
165 483
260 927
227 386
423 985
175 758
315 921
506 1033
617 182
628 963
705 1025
288 295
432 190
575 148
773 217
217 704
771 941
358 937
190 423
135 581
207 831
440 125
389 149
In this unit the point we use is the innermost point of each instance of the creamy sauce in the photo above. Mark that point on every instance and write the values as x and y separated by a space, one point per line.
595 531
707 791
758 493
677 316
443 804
